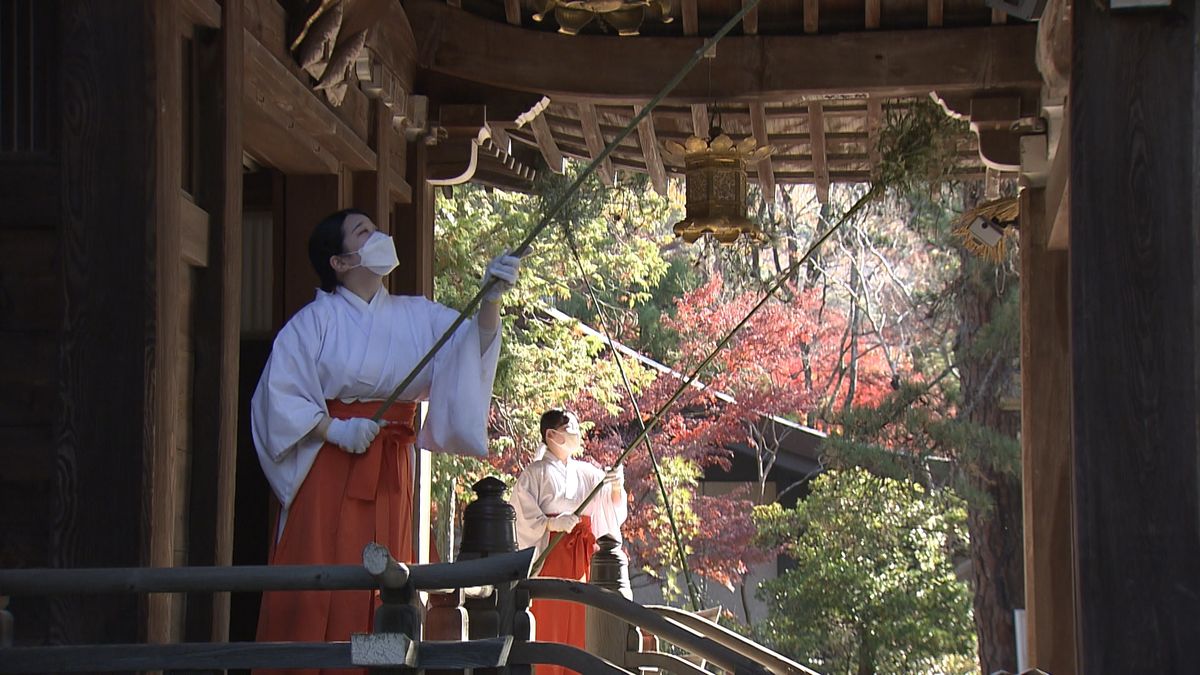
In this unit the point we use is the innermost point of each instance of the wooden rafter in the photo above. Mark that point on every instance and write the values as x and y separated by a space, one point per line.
871 14
750 21
935 13
654 162
545 142
893 63
812 16
816 130
595 141
512 11
766 174
500 137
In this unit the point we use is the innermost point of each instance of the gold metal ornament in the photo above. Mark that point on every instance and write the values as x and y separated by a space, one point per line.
716 185
624 16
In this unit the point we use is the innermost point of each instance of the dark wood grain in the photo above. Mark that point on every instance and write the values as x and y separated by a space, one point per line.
1134 313
108 138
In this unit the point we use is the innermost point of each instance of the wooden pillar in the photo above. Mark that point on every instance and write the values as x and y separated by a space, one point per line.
106 381
1134 312
217 339
1046 444
414 229
414 244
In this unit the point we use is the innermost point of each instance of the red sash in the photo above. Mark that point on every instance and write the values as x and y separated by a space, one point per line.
558 621
345 502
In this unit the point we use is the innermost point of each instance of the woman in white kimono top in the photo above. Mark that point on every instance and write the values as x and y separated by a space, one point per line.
545 497
343 480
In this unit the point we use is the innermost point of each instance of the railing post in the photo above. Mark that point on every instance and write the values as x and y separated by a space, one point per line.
6 623
489 527
398 611
609 637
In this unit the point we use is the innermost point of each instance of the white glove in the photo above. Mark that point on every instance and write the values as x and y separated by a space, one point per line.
564 523
504 268
353 435
615 476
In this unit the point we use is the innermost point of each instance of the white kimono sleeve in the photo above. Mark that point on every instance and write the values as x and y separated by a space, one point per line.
607 517
287 405
531 522
460 393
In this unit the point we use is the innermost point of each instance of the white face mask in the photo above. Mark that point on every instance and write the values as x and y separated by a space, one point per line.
378 254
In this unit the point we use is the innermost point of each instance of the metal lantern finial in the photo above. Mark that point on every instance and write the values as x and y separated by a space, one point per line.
716 180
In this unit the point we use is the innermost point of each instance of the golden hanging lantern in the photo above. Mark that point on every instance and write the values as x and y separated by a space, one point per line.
623 16
716 185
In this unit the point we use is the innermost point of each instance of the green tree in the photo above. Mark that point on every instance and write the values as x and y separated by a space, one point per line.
873 588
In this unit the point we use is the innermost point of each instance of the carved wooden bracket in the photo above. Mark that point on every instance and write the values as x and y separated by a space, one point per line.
465 151
999 121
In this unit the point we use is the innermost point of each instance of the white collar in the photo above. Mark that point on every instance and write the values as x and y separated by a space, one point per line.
357 302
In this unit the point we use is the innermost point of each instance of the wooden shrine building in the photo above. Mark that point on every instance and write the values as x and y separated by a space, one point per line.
162 163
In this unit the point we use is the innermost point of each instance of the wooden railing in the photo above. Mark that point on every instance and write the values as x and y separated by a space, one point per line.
477 615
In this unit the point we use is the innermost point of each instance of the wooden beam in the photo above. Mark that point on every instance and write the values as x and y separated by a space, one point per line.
1046 443
205 13
885 63
750 21
691 17
163 400
273 90
812 16
512 11
874 124
653 158
545 140
1058 193
935 13
193 232
1134 308
595 141
871 14
229 265
999 16
816 130
766 176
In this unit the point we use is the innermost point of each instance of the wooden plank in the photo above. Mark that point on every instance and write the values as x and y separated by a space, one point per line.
1134 269
512 12
162 379
871 12
595 141
271 86
691 17
30 283
545 141
28 202
935 13
1046 443
750 20
107 154
193 224
651 154
812 16
206 13
308 199
885 63
414 225
766 175
816 130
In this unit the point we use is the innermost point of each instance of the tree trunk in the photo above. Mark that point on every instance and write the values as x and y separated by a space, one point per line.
994 522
